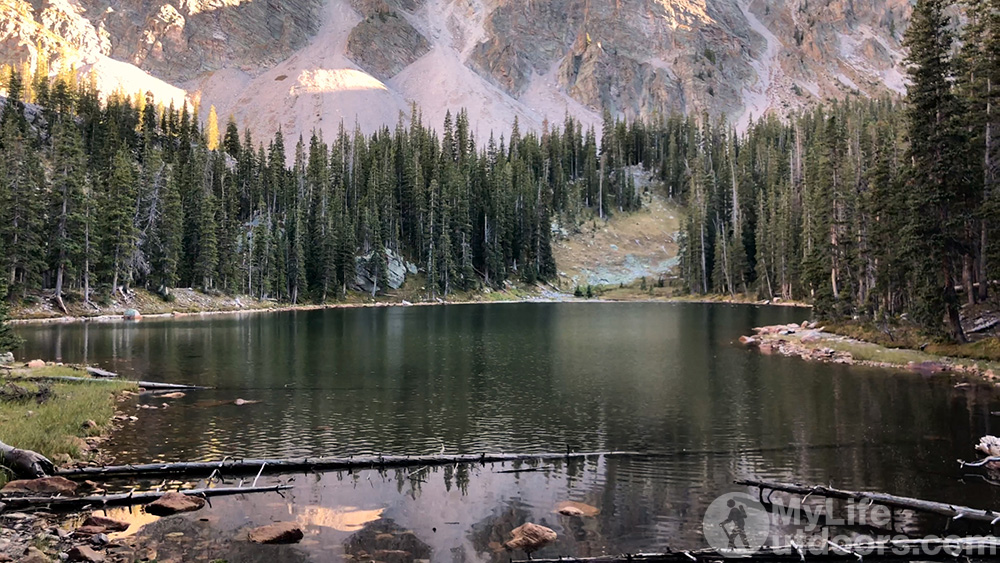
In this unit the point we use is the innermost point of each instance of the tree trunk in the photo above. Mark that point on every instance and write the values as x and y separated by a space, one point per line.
25 464
983 275
970 293
954 318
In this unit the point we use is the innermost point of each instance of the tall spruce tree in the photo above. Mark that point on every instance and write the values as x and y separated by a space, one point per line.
935 180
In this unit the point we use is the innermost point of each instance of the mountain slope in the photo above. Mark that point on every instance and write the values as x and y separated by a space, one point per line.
304 64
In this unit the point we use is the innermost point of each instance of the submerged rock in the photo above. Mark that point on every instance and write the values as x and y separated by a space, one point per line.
388 539
108 524
529 537
44 485
928 368
282 532
573 508
172 503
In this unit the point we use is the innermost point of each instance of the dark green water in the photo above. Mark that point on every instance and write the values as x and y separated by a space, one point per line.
662 378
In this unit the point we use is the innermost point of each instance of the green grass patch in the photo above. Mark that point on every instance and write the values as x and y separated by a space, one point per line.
902 337
865 351
49 371
54 428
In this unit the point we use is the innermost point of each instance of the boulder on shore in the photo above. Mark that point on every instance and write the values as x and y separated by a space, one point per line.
86 554
366 270
282 532
172 503
529 537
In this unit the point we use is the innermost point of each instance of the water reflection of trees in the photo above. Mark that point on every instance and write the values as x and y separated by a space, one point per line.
384 540
489 534
546 377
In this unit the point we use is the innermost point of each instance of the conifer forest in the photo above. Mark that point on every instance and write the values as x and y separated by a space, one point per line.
869 207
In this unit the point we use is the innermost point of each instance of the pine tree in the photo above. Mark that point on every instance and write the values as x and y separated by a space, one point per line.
934 200
118 208
166 251
66 203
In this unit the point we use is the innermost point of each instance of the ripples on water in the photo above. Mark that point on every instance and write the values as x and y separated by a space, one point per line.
666 379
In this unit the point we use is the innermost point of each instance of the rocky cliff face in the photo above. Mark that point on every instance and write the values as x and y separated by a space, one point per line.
303 64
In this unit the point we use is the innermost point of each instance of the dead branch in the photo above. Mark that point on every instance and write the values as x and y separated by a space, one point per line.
251 466
98 372
952 511
143 384
122 499
934 549
979 462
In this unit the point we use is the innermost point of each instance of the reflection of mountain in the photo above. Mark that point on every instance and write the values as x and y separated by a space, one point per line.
665 378
344 518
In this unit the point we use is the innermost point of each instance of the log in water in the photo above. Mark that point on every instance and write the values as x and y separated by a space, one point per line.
122 499
252 466
952 511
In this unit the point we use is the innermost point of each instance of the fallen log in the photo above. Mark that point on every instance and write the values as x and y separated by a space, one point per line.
953 511
25 464
143 384
933 549
98 372
979 462
9 503
250 466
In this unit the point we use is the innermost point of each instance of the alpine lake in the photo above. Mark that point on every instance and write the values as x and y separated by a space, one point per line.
669 380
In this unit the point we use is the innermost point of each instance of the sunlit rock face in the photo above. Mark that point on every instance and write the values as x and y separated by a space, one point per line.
304 64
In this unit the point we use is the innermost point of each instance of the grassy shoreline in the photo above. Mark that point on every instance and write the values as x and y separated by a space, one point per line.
834 344
193 303
63 421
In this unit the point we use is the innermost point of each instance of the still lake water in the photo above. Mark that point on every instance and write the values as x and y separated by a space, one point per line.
663 378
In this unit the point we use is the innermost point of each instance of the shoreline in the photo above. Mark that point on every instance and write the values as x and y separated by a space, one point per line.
284 308
72 437
811 342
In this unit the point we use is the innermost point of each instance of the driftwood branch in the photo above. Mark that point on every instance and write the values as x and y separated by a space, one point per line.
98 372
936 549
952 511
121 499
979 462
25 464
143 384
251 466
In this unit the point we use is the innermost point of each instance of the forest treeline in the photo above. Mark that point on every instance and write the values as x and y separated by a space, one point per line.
874 208
97 197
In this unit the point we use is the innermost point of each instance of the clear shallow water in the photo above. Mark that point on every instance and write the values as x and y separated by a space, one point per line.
667 379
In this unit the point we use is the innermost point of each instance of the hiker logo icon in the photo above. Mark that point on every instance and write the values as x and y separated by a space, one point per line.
736 525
